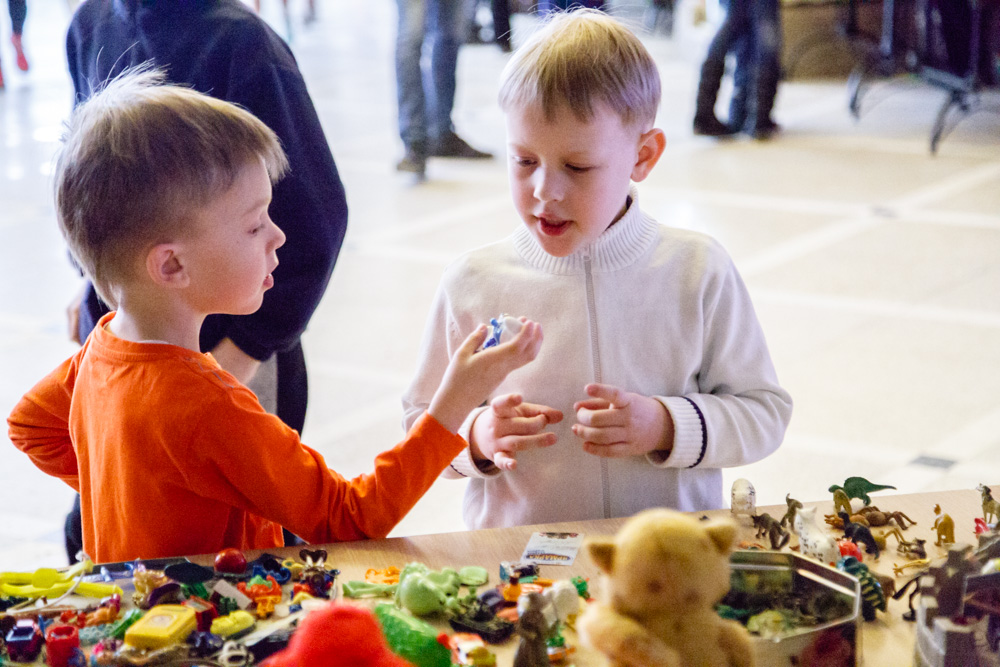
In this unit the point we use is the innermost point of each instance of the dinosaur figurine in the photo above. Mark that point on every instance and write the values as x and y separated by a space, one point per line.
859 487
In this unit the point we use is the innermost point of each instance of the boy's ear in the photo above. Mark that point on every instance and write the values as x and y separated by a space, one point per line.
651 145
164 266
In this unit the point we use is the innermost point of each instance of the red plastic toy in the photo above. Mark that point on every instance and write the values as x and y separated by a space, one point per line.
337 634
61 641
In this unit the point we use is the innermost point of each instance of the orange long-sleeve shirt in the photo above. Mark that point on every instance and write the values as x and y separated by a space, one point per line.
173 456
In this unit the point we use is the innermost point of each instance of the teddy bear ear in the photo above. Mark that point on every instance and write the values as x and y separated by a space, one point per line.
722 534
602 552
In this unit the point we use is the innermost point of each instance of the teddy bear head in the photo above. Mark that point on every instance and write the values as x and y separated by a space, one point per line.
665 562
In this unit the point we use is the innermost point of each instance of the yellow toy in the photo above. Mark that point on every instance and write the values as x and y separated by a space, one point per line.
944 526
663 574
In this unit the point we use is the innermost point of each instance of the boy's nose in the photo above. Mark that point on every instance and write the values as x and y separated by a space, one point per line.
279 236
547 186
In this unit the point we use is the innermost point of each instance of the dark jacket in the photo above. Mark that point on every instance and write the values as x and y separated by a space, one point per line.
222 48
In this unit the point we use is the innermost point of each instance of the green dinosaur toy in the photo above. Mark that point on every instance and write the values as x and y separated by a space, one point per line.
859 487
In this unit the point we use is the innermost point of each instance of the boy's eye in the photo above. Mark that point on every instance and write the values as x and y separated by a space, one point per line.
523 161
577 169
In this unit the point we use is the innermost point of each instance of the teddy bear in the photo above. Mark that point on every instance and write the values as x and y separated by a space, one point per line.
662 575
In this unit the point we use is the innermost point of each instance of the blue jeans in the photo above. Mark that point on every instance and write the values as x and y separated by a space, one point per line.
752 31
426 95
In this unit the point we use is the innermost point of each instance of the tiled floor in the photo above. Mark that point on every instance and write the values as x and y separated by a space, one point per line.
875 267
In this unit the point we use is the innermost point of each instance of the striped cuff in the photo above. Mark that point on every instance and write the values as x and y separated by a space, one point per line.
690 434
463 465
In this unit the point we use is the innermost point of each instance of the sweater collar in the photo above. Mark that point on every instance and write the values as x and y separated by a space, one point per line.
619 246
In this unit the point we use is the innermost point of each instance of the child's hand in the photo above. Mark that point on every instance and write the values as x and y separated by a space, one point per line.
472 376
617 423
510 426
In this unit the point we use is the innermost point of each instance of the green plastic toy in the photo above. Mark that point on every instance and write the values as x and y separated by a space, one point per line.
411 638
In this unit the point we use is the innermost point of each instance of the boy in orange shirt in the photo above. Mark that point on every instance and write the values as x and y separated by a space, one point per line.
162 195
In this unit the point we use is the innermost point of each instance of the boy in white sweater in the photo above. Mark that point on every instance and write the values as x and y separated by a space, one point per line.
655 372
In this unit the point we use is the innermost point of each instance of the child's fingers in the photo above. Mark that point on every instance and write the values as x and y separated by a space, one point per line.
600 436
506 405
610 393
591 404
504 461
473 341
522 425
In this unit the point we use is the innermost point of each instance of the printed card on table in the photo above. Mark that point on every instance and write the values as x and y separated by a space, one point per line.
552 548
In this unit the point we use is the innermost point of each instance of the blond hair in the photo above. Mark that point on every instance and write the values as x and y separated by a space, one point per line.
138 158
580 59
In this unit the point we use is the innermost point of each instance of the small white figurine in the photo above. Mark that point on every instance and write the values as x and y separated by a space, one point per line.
813 540
744 498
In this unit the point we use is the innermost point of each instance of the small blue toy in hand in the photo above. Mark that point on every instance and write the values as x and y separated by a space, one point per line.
504 328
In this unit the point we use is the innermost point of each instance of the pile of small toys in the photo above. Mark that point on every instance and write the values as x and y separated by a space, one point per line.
177 613
958 610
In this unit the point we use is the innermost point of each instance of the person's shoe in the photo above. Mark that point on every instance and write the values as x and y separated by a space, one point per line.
710 126
22 62
452 145
413 162
765 130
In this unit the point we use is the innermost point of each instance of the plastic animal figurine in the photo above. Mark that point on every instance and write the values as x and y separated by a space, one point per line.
813 540
872 597
859 534
911 565
841 503
859 487
990 506
912 550
834 521
793 505
663 574
532 630
425 592
944 526
744 498
768 525
878 518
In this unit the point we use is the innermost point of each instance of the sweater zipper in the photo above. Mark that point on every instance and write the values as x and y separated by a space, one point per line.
595 352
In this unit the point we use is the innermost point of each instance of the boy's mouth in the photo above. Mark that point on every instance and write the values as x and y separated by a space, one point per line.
552 226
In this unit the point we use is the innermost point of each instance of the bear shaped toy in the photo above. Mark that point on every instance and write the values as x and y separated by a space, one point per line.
664 572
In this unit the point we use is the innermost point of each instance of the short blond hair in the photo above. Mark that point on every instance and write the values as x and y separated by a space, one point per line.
579 59
138 158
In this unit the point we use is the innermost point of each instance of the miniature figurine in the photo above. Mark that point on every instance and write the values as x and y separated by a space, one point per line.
768 525
990 506
912 550
565 599
502 329
913 564
841 503
877 518
533 631
663 574
944 526
859 534
849 548
813 540
744 498
834 520
793 505
859 487
872 597
425 592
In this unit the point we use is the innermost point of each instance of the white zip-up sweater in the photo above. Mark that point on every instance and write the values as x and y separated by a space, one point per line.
654 310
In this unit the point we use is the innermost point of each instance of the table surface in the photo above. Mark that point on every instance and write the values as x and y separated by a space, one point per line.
886 641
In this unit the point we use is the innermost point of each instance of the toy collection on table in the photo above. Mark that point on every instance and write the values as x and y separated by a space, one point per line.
442 576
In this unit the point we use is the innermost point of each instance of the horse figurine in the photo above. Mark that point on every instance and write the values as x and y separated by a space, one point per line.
990 505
